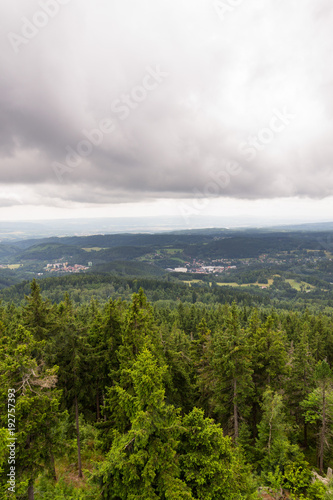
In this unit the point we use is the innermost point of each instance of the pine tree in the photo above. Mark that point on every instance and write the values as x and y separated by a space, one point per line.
202 355
273 444
232 371
39 314
70 353
270 355
142 463
301 381
139 331
268 346
36 405
104 338
180 390
318 408
210 466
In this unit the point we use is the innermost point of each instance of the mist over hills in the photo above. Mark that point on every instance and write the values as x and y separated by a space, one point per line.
13 231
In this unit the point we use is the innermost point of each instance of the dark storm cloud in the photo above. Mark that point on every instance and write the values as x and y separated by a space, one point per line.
166 94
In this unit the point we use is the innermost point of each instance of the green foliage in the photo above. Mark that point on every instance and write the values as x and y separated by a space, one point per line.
38 314
142 462
232 371
134 385
273 443
36 403
297 478
318 408
61 490
210 465
4 435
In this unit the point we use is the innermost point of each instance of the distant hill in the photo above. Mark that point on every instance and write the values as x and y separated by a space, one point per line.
207 243
309 226
51 251
7 251
117 240
125 268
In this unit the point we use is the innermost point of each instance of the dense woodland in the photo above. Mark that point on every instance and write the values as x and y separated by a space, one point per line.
122 399
169 291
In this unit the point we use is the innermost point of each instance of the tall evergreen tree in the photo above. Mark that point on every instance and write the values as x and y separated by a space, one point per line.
139 331
276 452
232 370
142 463
71 355
210 466
301 380
318 408
36 404
39 314
104 338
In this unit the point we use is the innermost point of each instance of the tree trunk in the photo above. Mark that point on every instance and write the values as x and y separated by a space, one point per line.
54 473
78 436
270 433
98 413
322 435
104 410
304 392
31 495
305 435
254 419
235 411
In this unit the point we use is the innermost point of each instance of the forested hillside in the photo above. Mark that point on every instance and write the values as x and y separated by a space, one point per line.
126 400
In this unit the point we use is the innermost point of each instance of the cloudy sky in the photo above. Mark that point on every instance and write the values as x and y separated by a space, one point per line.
151 107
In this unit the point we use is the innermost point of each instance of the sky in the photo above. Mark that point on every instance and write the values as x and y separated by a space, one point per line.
161 107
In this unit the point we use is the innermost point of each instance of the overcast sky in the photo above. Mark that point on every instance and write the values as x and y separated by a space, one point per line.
147 107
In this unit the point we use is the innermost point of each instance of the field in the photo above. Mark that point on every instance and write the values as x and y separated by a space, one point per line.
172 251
298 286
93 249
192 281
232 284
294 284
262 285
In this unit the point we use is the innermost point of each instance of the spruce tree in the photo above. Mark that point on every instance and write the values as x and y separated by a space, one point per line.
36 406
233 372
142 463
318 408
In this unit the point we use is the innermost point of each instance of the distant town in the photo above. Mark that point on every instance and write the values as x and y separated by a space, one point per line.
200 267
66 268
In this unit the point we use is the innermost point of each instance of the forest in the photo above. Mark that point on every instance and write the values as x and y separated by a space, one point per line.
127 398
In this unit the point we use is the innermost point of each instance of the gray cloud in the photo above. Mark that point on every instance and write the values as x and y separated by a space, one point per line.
226 80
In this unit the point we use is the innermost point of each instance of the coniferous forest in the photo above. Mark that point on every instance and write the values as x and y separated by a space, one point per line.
166 250
126 400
